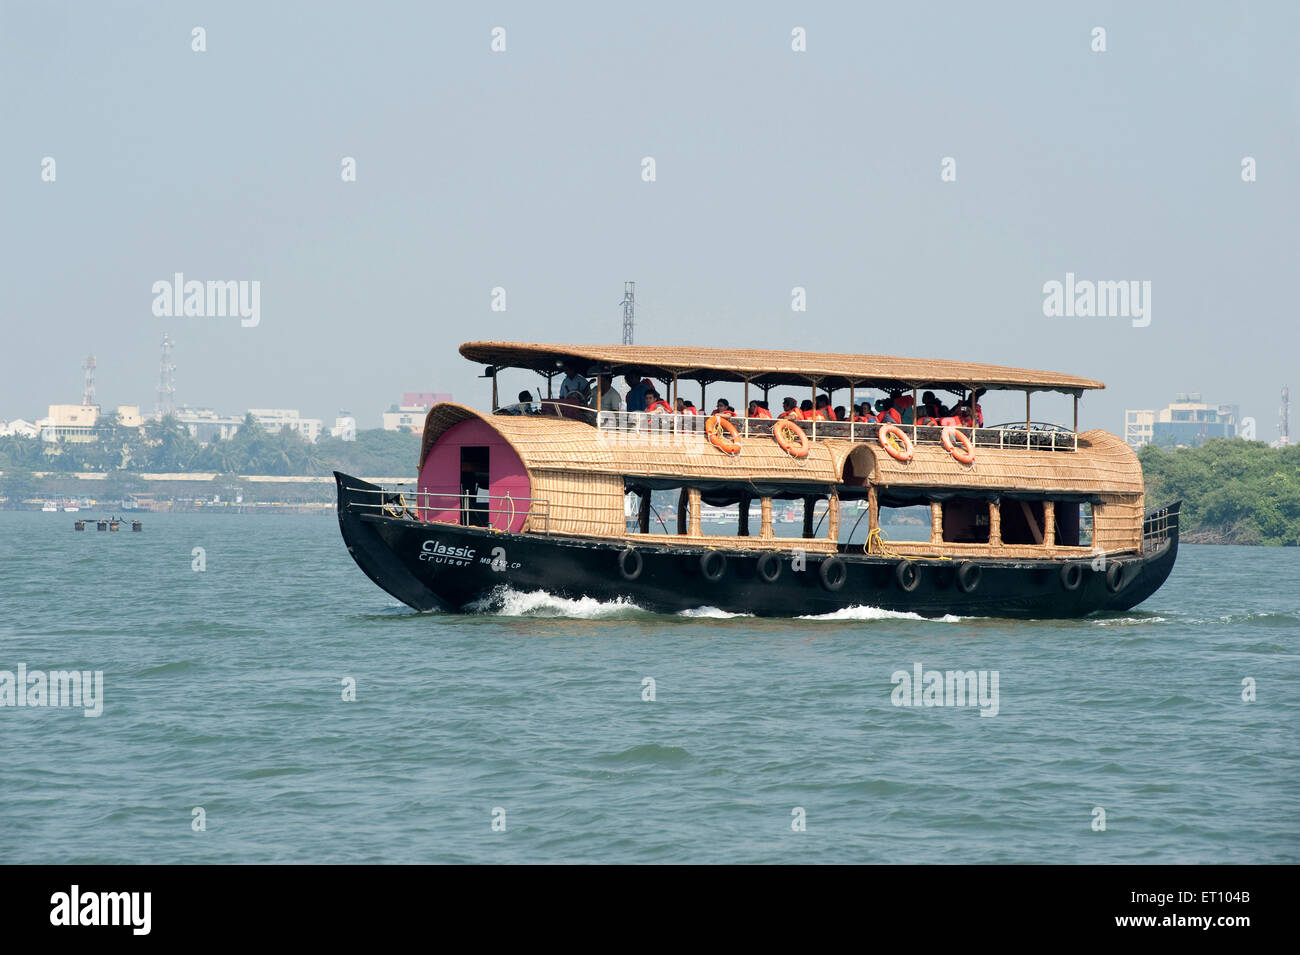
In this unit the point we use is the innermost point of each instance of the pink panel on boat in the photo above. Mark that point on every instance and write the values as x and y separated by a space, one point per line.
440 477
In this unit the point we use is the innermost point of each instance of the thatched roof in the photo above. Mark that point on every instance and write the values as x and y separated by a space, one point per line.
1103 462
828 370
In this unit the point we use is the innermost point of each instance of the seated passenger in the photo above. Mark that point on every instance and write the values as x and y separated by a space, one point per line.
809 413
724 408
610 399
887 414
823 408
931 407
655 404
790 410
756 410
526 403
840 414
687 407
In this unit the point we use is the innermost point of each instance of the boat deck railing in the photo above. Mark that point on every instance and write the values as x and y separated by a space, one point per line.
634 425
1159 526
407 502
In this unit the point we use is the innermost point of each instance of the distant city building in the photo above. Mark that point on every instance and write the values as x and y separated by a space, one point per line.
345 427
69 423
205 425
406 418
1187 422
425 398
20 428
275 419
129 416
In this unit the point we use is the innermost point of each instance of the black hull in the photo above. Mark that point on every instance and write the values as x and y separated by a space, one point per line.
452 568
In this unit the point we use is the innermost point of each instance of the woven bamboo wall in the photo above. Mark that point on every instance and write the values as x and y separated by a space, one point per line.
1117 522
1103 463
578 503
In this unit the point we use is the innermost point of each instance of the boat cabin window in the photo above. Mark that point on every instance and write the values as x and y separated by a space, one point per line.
910 522
1022 521
966 521
1074 523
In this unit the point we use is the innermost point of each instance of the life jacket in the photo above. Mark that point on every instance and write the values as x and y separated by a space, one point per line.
690 409
660 406
951 422
827 413
813 415
927 419
889 415
762 413
793 413
726 414
864 418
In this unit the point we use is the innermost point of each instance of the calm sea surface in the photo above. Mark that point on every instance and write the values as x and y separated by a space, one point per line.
223 689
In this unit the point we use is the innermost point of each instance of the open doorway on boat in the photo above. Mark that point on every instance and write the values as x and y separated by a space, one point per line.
1073 523
474 477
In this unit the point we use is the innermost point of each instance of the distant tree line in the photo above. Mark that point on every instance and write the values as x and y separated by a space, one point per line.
166 446
1234 491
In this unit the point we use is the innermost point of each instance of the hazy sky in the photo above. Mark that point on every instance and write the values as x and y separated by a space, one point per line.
523 169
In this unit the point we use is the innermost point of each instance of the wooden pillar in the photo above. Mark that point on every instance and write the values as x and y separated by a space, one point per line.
643 513
995 522
765 530
673 400
683 509
1049 523
742 519
936 522
494 388
695 512
809 505
833 518
873 511
1027 418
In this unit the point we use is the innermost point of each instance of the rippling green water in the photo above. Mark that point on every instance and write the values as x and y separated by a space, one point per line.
222 690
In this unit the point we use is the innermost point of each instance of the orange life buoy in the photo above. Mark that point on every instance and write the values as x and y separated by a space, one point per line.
951 438
714 425
901 453
791 438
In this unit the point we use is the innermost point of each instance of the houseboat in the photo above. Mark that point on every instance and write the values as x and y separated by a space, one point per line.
1026 518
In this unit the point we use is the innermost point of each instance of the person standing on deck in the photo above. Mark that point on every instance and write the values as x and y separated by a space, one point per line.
636 392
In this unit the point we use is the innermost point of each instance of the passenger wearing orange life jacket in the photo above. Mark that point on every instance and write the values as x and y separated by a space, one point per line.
809 413
686 407
756 410
824 408
655 404
862 413
724 408
888 414
791 410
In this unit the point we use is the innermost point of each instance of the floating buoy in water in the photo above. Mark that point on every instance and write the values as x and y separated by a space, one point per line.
101 525
79 525
137 526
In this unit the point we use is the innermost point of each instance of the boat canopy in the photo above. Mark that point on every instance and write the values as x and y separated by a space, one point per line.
768 368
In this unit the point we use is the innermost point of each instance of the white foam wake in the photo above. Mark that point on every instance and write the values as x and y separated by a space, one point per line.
712 613
505 602
862 612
